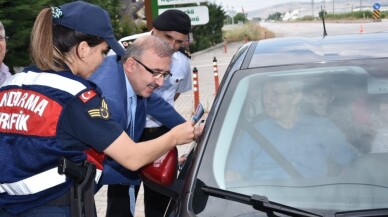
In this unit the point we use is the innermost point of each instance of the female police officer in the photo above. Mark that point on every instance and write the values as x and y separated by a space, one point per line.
49 111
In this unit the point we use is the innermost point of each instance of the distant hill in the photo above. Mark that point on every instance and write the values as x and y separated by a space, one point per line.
307 8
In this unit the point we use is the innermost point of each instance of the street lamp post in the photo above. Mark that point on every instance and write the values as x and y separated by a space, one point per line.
232 13
312 8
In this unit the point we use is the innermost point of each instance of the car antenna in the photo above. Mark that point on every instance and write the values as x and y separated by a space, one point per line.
323 22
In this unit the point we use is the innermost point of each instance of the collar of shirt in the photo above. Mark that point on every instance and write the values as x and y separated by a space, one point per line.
130 91
4 72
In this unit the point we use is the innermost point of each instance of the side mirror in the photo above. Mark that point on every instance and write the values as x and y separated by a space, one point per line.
164 170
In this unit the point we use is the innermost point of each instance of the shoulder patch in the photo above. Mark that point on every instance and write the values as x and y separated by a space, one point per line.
101 112
87 95
185 52
127 43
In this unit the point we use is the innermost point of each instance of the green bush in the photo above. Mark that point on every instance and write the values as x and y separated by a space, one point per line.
351 16
307 18
384 14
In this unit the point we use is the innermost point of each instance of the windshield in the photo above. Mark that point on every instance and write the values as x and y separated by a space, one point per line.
313 137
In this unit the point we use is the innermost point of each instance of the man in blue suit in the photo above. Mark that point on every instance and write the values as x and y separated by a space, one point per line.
140 71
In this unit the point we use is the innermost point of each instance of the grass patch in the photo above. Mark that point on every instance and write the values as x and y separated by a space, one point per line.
248 32
351 16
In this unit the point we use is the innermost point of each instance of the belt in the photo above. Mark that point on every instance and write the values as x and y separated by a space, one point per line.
37 183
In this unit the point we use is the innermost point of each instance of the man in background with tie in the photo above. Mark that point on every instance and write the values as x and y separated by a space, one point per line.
4 70
126 84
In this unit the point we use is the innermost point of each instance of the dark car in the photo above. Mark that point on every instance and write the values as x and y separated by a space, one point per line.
299 127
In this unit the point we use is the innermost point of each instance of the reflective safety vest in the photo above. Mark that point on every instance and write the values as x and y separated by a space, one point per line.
31 105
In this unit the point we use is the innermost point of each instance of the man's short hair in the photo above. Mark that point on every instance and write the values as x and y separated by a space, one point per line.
1 26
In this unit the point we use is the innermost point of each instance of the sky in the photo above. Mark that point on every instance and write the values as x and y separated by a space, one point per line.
249 5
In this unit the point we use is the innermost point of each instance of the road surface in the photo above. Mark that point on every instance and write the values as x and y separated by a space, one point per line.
311 29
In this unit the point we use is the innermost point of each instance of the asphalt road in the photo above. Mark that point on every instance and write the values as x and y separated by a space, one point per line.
312 29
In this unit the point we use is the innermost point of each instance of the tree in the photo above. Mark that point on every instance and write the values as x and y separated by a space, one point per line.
127 20
211 33
18 18
275 16
322 13
240 17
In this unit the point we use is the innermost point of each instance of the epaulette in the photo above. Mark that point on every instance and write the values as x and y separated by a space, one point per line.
127 43
185 52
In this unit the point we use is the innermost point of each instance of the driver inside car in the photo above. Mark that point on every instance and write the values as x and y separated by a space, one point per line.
290 144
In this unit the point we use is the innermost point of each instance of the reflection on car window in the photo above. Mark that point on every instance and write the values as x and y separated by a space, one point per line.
380 124
306 141
300 137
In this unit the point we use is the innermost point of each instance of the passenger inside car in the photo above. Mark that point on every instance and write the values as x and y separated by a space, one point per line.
346 104
361 110
321 99
380 141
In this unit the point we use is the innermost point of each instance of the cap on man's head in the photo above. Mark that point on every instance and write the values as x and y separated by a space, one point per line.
89 19
173 20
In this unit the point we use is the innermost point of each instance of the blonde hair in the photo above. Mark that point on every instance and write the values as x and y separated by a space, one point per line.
43 53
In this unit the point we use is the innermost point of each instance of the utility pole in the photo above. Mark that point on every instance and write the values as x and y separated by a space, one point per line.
312 8
232 12
148 13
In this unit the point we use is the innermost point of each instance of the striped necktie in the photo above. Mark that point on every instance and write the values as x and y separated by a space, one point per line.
131 190
133 112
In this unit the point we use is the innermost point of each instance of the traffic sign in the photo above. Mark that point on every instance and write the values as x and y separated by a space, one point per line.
376 6
199 15
178 2
376 15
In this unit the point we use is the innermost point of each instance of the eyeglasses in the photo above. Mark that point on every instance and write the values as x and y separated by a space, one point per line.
165 74
4 38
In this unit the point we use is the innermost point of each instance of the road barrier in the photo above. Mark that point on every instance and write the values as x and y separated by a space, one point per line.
216 80
376 16
195 87
225 46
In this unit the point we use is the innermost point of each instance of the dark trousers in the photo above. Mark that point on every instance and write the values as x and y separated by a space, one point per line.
155 204
42 211
118 204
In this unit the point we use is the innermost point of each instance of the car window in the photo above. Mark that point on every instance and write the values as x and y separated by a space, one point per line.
301 134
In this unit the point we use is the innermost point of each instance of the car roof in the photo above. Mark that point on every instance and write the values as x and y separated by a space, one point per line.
126 41
298 50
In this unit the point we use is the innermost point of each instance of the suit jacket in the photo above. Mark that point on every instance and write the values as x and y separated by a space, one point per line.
110 78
